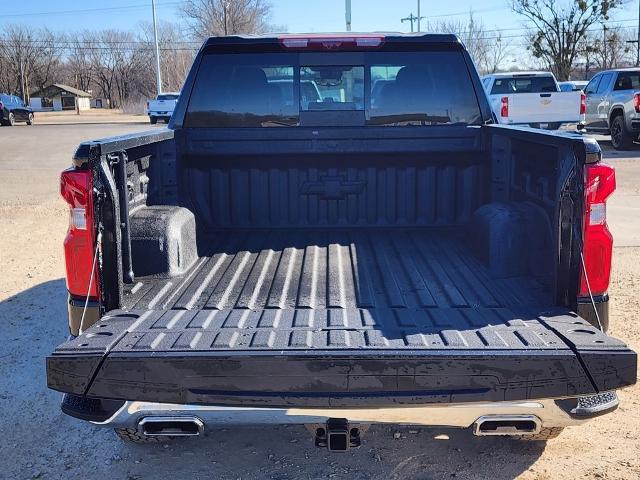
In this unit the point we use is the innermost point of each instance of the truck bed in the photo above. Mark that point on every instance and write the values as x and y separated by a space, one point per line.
333 273
338 317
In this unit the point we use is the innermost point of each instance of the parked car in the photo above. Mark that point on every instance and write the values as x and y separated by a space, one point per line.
13 109
613 106
162 107
399 261
572 85
532 98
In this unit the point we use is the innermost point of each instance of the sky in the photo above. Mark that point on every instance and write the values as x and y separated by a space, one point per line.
294 15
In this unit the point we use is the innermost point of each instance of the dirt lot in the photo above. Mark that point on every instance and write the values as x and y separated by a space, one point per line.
37 441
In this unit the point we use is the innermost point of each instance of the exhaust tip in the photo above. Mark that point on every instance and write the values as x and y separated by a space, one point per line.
507 425
171 426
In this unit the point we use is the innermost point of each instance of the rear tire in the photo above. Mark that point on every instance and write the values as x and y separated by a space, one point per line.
30 119
620 138
546 433
153 120
12 120
131 435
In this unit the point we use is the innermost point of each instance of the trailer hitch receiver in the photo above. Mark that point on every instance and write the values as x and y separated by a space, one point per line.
337 436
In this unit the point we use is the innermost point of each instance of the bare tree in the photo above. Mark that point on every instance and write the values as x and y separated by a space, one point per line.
226 17
47 60
18 45
129 64
78 65
33 58
116 64
560 26
609 48
486 48
176 56
104 58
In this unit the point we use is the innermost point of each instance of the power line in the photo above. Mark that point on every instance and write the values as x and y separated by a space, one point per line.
479 10
88 10
196 44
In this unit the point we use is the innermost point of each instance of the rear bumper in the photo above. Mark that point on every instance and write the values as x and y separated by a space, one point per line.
549 412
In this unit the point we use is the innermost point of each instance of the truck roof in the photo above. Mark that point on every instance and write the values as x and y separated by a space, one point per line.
626 69
520 74
387 36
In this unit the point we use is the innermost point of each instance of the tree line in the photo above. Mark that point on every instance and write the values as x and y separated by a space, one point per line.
118 65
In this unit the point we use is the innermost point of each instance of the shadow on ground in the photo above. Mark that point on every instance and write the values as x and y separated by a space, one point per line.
609 151
48 444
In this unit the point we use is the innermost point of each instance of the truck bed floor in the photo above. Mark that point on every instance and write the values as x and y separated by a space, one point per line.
335 269
338 289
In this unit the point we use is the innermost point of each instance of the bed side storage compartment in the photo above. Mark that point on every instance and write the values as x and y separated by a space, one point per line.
163 240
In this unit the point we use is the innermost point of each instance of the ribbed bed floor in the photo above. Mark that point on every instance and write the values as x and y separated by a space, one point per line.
381 269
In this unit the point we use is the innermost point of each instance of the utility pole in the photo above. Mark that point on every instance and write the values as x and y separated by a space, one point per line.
22 89
637 41
562 39
225 7
411 18
155 37
604 46
419 17
347 14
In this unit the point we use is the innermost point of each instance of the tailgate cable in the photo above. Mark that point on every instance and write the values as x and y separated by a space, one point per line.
593 302
95 261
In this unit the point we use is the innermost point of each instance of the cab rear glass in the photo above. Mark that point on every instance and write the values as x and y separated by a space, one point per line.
507 85
332 89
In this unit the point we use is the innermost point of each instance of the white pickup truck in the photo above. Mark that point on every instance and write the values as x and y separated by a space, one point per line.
162 106
534 99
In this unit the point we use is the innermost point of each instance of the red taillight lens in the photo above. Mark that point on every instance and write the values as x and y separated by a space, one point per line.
76 188
600 183
337 42
636 102
583 104
504 107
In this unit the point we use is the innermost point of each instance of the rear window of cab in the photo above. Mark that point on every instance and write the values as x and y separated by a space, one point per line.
332 89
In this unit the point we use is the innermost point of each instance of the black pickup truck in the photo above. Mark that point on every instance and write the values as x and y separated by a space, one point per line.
333 231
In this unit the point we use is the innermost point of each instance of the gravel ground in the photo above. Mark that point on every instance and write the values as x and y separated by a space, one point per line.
37 441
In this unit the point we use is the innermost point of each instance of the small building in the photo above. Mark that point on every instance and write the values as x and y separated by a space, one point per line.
59 97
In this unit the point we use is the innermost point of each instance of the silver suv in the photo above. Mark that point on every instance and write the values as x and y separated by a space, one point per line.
613 106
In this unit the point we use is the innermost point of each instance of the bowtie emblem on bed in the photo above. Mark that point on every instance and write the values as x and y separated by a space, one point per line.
332 187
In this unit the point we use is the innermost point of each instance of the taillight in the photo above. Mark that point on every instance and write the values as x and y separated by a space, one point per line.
331 42
1 105
597 250
76 187
636 102
583 103
504 107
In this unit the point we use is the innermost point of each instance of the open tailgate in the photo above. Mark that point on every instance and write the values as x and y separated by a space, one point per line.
343 358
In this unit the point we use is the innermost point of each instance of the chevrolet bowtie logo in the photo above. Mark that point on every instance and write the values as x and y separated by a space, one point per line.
332 188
